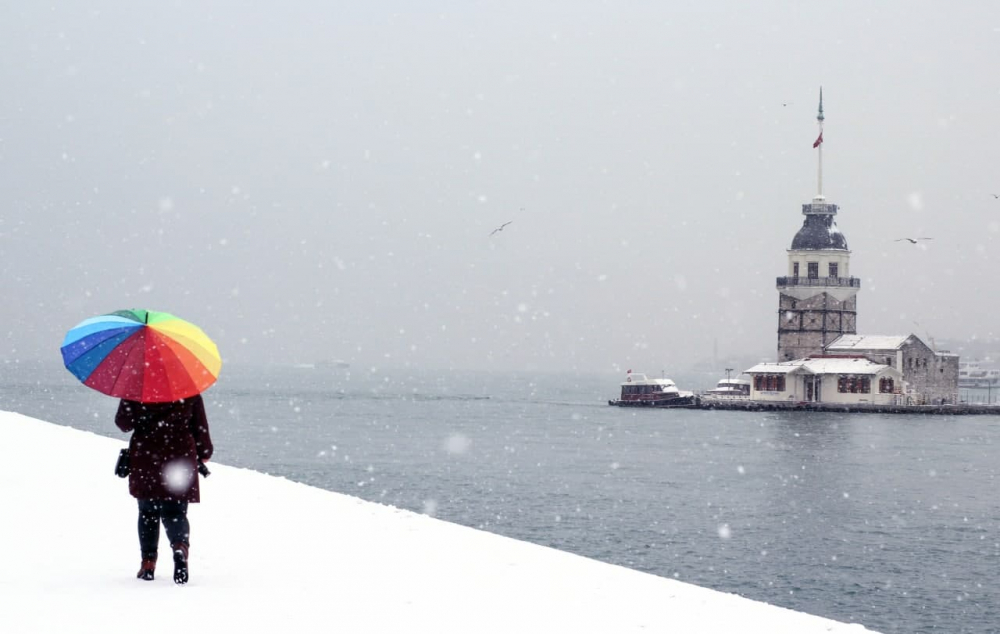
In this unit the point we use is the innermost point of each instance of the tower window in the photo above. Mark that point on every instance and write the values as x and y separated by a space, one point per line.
813 269
795 269
833 269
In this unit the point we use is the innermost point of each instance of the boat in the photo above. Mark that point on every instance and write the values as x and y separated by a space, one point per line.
332 364
972 374
729 389
638 390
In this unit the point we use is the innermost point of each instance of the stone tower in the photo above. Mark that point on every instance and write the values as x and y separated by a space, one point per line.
817 299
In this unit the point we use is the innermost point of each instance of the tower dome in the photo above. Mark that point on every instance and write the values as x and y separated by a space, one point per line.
819 230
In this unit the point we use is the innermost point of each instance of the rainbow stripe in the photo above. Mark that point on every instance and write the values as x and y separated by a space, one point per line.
142 355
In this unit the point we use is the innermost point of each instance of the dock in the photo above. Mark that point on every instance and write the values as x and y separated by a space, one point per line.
960 409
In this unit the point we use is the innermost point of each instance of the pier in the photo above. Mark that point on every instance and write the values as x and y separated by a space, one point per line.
960 409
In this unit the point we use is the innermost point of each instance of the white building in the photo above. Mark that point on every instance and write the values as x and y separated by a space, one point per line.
847 380
931 376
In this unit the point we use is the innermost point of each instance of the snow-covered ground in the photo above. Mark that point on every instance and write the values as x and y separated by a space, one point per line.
269 555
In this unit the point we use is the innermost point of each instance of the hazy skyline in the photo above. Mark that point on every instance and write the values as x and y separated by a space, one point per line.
320 180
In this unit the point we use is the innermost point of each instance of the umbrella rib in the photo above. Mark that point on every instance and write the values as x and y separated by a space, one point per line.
133 344
201 353
93 356
169 355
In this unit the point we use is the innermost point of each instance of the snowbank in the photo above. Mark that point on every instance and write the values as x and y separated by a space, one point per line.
269 555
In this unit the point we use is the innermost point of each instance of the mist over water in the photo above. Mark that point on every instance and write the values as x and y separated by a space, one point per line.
889 521
321 181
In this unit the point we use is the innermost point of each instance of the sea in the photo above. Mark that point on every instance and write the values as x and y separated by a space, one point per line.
891 521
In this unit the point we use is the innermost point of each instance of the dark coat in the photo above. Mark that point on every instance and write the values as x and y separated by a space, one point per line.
168 440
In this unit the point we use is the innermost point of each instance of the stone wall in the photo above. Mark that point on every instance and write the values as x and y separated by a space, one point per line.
931 376
806 326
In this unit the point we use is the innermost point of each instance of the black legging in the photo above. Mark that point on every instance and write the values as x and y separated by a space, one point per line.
174 516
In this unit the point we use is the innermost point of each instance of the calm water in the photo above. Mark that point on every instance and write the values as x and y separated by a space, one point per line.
889 521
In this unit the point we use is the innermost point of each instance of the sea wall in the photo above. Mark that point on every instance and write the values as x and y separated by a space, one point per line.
862 408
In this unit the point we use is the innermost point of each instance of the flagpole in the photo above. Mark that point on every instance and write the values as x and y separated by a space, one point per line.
819 121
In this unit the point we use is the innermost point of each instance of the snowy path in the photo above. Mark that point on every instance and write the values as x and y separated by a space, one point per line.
269 555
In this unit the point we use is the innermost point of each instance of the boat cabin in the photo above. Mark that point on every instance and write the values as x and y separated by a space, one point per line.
638 387
730 388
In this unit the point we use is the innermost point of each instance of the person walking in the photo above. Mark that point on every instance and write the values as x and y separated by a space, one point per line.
169 442
158 365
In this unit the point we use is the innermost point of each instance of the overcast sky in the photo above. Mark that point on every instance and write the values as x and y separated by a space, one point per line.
319 180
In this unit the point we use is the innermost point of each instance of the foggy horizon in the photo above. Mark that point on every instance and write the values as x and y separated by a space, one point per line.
320 182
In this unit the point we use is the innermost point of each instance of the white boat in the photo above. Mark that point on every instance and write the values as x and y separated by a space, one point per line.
730 389
972 374
335 363
638 390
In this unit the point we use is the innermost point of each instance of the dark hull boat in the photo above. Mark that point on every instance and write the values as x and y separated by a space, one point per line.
640 391
677 401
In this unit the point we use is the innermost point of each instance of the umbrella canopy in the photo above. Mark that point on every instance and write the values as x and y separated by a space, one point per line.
142 355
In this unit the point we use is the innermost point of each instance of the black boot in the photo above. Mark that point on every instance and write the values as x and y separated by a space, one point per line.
180 563
148 567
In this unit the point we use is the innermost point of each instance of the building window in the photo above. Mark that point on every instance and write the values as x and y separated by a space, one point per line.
850 384
833 269
885 386
769 382
813 269
795 269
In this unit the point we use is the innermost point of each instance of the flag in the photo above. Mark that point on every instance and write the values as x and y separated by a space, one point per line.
818 141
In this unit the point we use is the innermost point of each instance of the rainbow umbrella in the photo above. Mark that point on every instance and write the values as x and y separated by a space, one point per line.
141 355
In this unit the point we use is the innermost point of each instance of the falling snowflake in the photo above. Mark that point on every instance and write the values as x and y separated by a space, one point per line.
177 476
457 444
430 507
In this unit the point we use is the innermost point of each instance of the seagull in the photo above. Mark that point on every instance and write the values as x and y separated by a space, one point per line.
500 228
996 195
788 103
912 240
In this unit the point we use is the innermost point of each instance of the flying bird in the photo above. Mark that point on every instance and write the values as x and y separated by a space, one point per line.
500 228
912 240
996 195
